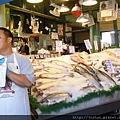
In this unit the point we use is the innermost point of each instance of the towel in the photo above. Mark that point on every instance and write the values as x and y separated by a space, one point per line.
3 72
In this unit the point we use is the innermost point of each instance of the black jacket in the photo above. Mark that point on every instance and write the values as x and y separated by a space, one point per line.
24 49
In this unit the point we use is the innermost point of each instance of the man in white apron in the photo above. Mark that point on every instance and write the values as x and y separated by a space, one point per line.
19 76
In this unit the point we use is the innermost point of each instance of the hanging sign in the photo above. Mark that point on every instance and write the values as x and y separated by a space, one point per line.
58 46
54 35
108 10
106 13
71 49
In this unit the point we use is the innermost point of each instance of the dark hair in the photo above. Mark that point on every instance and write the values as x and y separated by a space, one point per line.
7 32
24 40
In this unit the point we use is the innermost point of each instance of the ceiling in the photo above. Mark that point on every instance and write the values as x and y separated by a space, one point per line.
85 9
71 20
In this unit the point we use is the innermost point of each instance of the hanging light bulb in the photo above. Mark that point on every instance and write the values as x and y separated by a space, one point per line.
76 11
63 8
89 2
34 1
82 19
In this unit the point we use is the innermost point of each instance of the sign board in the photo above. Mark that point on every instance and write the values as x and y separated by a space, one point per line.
71 49
88 44
110 67
58 46
95 44
54 35
117 52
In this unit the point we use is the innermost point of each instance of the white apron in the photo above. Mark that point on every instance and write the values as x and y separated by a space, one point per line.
16 103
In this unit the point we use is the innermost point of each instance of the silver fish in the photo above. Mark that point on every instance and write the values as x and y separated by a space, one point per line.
104 77
56 98
93 79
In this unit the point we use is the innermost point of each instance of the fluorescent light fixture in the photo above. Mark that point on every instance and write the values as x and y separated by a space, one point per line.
89 2
34 1
82 19
63 8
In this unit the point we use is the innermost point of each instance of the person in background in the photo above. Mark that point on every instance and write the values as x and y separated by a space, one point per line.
65 49
24 49
19 77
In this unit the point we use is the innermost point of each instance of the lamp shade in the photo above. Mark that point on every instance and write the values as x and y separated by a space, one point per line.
89 2
63 8
34 1
82 19
76 11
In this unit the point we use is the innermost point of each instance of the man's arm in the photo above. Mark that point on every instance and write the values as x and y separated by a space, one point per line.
19 79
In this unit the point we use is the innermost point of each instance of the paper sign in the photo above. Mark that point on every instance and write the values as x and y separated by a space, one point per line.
102 45
117 52
54 35
88 44
110 67
95 45
71 49
58 46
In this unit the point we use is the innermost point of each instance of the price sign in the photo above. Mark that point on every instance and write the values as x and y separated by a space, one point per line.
106 13
71 49
41 55
87 44
110 67
48 55
58 46
95 44
32 56
36 56
117 52
45 56
102 45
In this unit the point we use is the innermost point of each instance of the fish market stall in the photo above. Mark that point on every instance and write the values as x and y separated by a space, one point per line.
76 84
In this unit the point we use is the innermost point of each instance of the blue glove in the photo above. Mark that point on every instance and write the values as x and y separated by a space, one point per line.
2 60
7 71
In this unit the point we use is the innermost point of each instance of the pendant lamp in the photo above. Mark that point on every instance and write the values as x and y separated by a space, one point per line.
82 19
34 1
89 2
76 11
63 8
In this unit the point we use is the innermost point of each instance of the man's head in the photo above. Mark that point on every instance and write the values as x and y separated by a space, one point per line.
6 40
7 32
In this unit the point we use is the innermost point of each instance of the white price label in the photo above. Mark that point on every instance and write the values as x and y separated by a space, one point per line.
88 44
58 46
110 67
95 44
117 52
71 49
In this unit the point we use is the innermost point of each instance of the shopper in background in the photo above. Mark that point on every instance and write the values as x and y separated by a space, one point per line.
24 49
19 77
65 49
